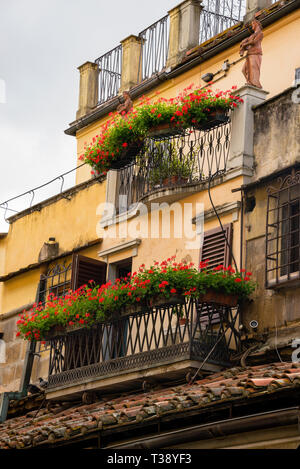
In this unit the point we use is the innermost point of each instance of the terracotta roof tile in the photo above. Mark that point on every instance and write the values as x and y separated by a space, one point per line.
35 428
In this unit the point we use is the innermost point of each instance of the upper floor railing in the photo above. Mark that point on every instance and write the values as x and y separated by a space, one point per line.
110 70
215 17
218 15
154 48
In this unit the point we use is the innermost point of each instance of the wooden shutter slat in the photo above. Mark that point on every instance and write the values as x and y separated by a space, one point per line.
85 269
215 246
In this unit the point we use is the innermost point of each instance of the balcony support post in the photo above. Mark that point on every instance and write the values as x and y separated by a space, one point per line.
88 88
253 6
184 30
241 155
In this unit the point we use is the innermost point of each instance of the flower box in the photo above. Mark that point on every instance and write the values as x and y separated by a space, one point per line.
165 130
127 155
221 298
214 118
162 285
132 309
54 331
161 300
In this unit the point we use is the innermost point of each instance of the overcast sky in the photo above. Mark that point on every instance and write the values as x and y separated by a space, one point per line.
42 42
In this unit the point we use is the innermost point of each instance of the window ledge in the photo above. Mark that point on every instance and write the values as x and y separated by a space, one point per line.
284 281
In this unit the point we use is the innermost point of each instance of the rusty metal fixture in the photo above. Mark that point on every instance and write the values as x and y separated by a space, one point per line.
252 45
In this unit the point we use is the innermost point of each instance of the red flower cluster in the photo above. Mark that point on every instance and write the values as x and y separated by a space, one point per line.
91 303
186 110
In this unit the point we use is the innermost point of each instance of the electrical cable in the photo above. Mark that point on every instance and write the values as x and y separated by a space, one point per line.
207 356
212 176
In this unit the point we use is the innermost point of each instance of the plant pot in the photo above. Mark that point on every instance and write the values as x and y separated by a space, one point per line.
225 299
165 130
174 180
183 321
127 155
214 119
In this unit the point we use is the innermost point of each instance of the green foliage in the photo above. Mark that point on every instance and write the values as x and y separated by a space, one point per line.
91 303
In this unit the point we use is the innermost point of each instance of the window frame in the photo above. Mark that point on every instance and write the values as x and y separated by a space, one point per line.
280 259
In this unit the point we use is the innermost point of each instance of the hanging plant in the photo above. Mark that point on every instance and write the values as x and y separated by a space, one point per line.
122 136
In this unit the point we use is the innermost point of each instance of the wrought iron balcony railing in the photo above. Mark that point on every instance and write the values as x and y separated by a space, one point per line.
218 15
180 160
110 70
154 50
146 339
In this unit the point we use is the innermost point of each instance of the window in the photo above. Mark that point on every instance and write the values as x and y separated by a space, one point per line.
119 270
283 232
65 276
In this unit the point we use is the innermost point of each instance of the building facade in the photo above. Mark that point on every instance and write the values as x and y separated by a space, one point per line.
238 205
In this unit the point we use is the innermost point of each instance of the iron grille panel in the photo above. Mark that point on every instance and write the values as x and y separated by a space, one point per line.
110 71
218 15
154 49
185 159
144 339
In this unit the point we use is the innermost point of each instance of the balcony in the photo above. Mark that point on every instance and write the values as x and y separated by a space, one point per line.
169 167
164 343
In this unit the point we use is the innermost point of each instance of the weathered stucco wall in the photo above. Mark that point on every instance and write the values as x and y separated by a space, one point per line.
277 134
71 221
271 308
162 247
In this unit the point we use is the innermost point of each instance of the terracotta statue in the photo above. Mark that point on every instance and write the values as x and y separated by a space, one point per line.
252 45
127 105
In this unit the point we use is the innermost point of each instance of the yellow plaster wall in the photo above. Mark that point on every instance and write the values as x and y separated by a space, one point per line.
280 59
71 222
161 248
20 291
